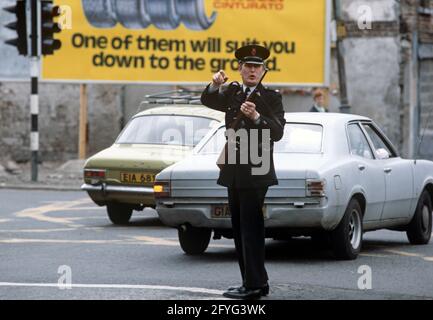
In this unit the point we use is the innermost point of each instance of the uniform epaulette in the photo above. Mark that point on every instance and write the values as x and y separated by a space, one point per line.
270 89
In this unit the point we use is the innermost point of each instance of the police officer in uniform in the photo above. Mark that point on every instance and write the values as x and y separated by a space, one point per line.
246 191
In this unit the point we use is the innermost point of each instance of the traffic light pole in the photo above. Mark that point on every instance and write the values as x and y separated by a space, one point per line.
42 27
34 98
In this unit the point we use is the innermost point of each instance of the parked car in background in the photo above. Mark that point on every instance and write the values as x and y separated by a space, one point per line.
339 176
121 177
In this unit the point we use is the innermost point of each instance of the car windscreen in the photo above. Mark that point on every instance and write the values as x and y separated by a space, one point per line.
298 138
166 129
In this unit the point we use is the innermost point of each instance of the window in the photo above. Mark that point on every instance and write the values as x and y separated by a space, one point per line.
381 148
166 129
358 142
298 138
215 144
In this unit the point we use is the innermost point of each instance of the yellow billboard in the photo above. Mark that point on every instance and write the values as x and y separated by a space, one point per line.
186 41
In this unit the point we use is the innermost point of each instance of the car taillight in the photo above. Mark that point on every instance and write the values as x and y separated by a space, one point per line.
94 173
315 188
161 189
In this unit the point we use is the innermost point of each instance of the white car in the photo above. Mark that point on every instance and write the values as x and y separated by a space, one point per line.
339 176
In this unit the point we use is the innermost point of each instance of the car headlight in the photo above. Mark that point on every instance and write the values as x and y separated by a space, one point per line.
161 189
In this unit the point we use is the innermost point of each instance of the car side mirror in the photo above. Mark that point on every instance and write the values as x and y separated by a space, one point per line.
382 153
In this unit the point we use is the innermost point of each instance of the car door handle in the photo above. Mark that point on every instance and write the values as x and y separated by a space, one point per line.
361 167
387 170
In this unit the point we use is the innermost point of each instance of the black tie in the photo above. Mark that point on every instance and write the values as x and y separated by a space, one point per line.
247 92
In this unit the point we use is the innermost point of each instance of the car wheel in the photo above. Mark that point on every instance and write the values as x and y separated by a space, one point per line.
119 213
347 237
420 228
194 240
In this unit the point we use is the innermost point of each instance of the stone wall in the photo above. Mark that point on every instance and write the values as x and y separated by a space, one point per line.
372 59
58 120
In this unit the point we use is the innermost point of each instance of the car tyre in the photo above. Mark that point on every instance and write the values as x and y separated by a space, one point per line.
420 228
119 213
193 240
346 239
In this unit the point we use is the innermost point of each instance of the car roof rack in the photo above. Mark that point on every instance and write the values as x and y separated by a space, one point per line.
179 96
182 96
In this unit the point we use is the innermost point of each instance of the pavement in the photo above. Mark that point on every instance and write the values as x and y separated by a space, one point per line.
52 175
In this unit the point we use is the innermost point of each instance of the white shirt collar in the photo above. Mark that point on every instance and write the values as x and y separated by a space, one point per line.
321 109
244 87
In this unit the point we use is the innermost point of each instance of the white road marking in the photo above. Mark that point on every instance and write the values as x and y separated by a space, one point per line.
4 220
115 286
169 242
221 246
139 240
156 241
48 230
87 218
61 241
375 255
35 230
86 208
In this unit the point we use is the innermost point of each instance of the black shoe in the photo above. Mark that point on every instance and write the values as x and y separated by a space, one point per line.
244 293
236 288
265 290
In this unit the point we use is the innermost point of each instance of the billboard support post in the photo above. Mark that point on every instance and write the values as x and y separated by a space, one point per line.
82 135
344 101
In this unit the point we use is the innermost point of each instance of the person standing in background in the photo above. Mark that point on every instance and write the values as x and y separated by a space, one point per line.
319 101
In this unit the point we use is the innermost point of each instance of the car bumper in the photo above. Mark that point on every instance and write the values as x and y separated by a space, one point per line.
103 193
276 215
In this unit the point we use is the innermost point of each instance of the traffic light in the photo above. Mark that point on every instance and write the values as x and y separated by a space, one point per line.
49 27
20 26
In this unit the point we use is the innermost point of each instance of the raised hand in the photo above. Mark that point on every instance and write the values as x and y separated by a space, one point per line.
219 78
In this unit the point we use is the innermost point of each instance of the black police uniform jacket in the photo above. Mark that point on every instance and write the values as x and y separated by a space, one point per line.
269 105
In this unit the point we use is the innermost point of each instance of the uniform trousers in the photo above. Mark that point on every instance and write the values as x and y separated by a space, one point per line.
245 205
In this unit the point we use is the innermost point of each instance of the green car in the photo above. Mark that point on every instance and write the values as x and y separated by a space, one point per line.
121 176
